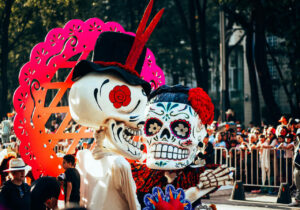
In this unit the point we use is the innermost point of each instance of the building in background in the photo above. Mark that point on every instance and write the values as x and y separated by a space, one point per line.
239 85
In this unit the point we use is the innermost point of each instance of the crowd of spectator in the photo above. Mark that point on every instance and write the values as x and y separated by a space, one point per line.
232 135
266 151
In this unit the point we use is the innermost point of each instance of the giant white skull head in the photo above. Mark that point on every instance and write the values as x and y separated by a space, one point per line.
172 129
104 99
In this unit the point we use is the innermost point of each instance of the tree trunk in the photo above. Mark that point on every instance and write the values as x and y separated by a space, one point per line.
255 107
227 101
203 41
190 27
194 44
4 57
261 64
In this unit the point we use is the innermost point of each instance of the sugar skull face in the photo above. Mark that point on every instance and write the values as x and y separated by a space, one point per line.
106 100
172 132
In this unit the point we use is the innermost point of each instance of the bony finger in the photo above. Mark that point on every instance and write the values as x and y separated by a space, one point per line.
232 169
220 173
220 168
206 173
217 170
223 172
203 178
229 182
200 185
224 178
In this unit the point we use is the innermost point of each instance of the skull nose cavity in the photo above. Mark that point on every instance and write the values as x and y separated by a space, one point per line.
165 132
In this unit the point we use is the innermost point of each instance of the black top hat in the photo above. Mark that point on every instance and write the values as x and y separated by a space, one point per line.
121 53
110 54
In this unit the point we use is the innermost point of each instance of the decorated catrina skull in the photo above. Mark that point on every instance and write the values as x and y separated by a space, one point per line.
174 126
109 92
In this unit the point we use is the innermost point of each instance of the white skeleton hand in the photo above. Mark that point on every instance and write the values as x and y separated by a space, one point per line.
219 177
209 180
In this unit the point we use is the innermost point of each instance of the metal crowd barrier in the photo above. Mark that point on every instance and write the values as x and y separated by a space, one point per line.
221 156
255 168
249 165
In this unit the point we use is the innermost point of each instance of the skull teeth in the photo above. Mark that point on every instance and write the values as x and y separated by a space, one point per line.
165 151
132 132
128 135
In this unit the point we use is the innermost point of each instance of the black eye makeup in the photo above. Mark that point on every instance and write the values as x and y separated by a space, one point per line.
181 128
152 126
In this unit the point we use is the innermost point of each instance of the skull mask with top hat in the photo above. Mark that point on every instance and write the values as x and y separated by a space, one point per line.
109 91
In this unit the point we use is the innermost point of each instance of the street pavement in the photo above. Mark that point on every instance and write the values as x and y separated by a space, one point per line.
230 207
222 200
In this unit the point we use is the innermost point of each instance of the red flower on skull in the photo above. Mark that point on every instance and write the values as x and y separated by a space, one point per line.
120 96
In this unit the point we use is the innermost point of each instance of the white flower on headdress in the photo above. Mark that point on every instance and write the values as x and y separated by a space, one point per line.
154 128
181 130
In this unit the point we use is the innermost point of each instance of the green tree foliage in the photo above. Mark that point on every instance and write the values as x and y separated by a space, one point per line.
24 23
31 20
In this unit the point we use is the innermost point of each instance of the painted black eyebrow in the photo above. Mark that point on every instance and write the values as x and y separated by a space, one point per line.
95 96
105 82
96 92
138 103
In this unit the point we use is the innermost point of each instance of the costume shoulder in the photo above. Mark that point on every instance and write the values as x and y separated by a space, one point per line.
120 162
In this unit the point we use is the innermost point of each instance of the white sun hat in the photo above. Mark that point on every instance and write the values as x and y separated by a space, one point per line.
17 164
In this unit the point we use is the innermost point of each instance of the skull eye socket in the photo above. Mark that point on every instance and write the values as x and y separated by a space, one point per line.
152 126
181 128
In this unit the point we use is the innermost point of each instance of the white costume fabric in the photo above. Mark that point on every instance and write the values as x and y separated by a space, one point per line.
106 183
265 162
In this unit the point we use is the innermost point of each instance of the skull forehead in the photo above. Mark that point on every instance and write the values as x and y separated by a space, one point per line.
169 111
172 132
